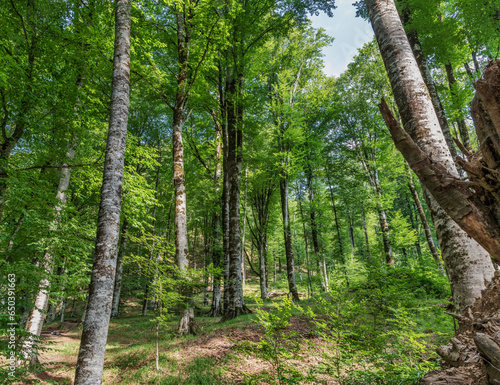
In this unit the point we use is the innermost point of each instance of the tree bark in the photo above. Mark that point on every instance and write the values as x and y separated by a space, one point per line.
314 232
389 258
462 127
35 320
337 227
115 306
308 262
287 234
468 265
421 59
95 327
243 230
234 290
186 313
260 201
425 224
367 242
351 230
217 249
422 124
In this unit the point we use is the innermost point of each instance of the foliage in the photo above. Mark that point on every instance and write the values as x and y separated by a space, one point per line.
376 330
278 344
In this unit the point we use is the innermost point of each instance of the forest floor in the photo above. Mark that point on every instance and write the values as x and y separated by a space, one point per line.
233 352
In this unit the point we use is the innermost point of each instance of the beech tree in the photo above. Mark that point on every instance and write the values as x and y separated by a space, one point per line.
420 120
95 326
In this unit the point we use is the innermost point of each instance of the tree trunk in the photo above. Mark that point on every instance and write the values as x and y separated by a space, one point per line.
339 239
225 209
186 313
389 258
90 362
414 225
314 231
262 270
462 127
468 265
206 276
425 224
217 255
216 251
420 119
367 242
290 269
234 290
119 270
63 308
439 175
416 47
351 230
308 262
243 230
35 320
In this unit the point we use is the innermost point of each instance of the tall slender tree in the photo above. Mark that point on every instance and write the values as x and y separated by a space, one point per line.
95 326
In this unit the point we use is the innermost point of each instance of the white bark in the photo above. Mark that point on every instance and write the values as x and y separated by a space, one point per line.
468 265
471 263
90 362
36 317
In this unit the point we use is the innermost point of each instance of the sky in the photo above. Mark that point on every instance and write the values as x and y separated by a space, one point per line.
350 33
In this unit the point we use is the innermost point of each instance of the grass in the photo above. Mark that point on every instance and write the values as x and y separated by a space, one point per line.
213 356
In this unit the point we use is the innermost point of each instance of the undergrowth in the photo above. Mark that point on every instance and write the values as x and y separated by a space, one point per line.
381 329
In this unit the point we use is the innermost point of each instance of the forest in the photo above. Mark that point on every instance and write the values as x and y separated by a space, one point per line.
187 198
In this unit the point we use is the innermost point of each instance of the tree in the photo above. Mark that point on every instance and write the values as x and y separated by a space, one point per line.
95 327
420 120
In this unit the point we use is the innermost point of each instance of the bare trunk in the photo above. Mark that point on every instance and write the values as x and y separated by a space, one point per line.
119 271
63 308
206 276
426 152
217 256
290 268
337 227
234 290
425 224
243 230
462 127
217 252
51 313
95 327
351 230
186 322
367 242
314 232
416 47
389 259
263 273
419 118
308 262
225 215
468 265
186 313
35 320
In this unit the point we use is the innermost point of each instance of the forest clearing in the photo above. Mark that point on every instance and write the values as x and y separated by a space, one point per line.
187 198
